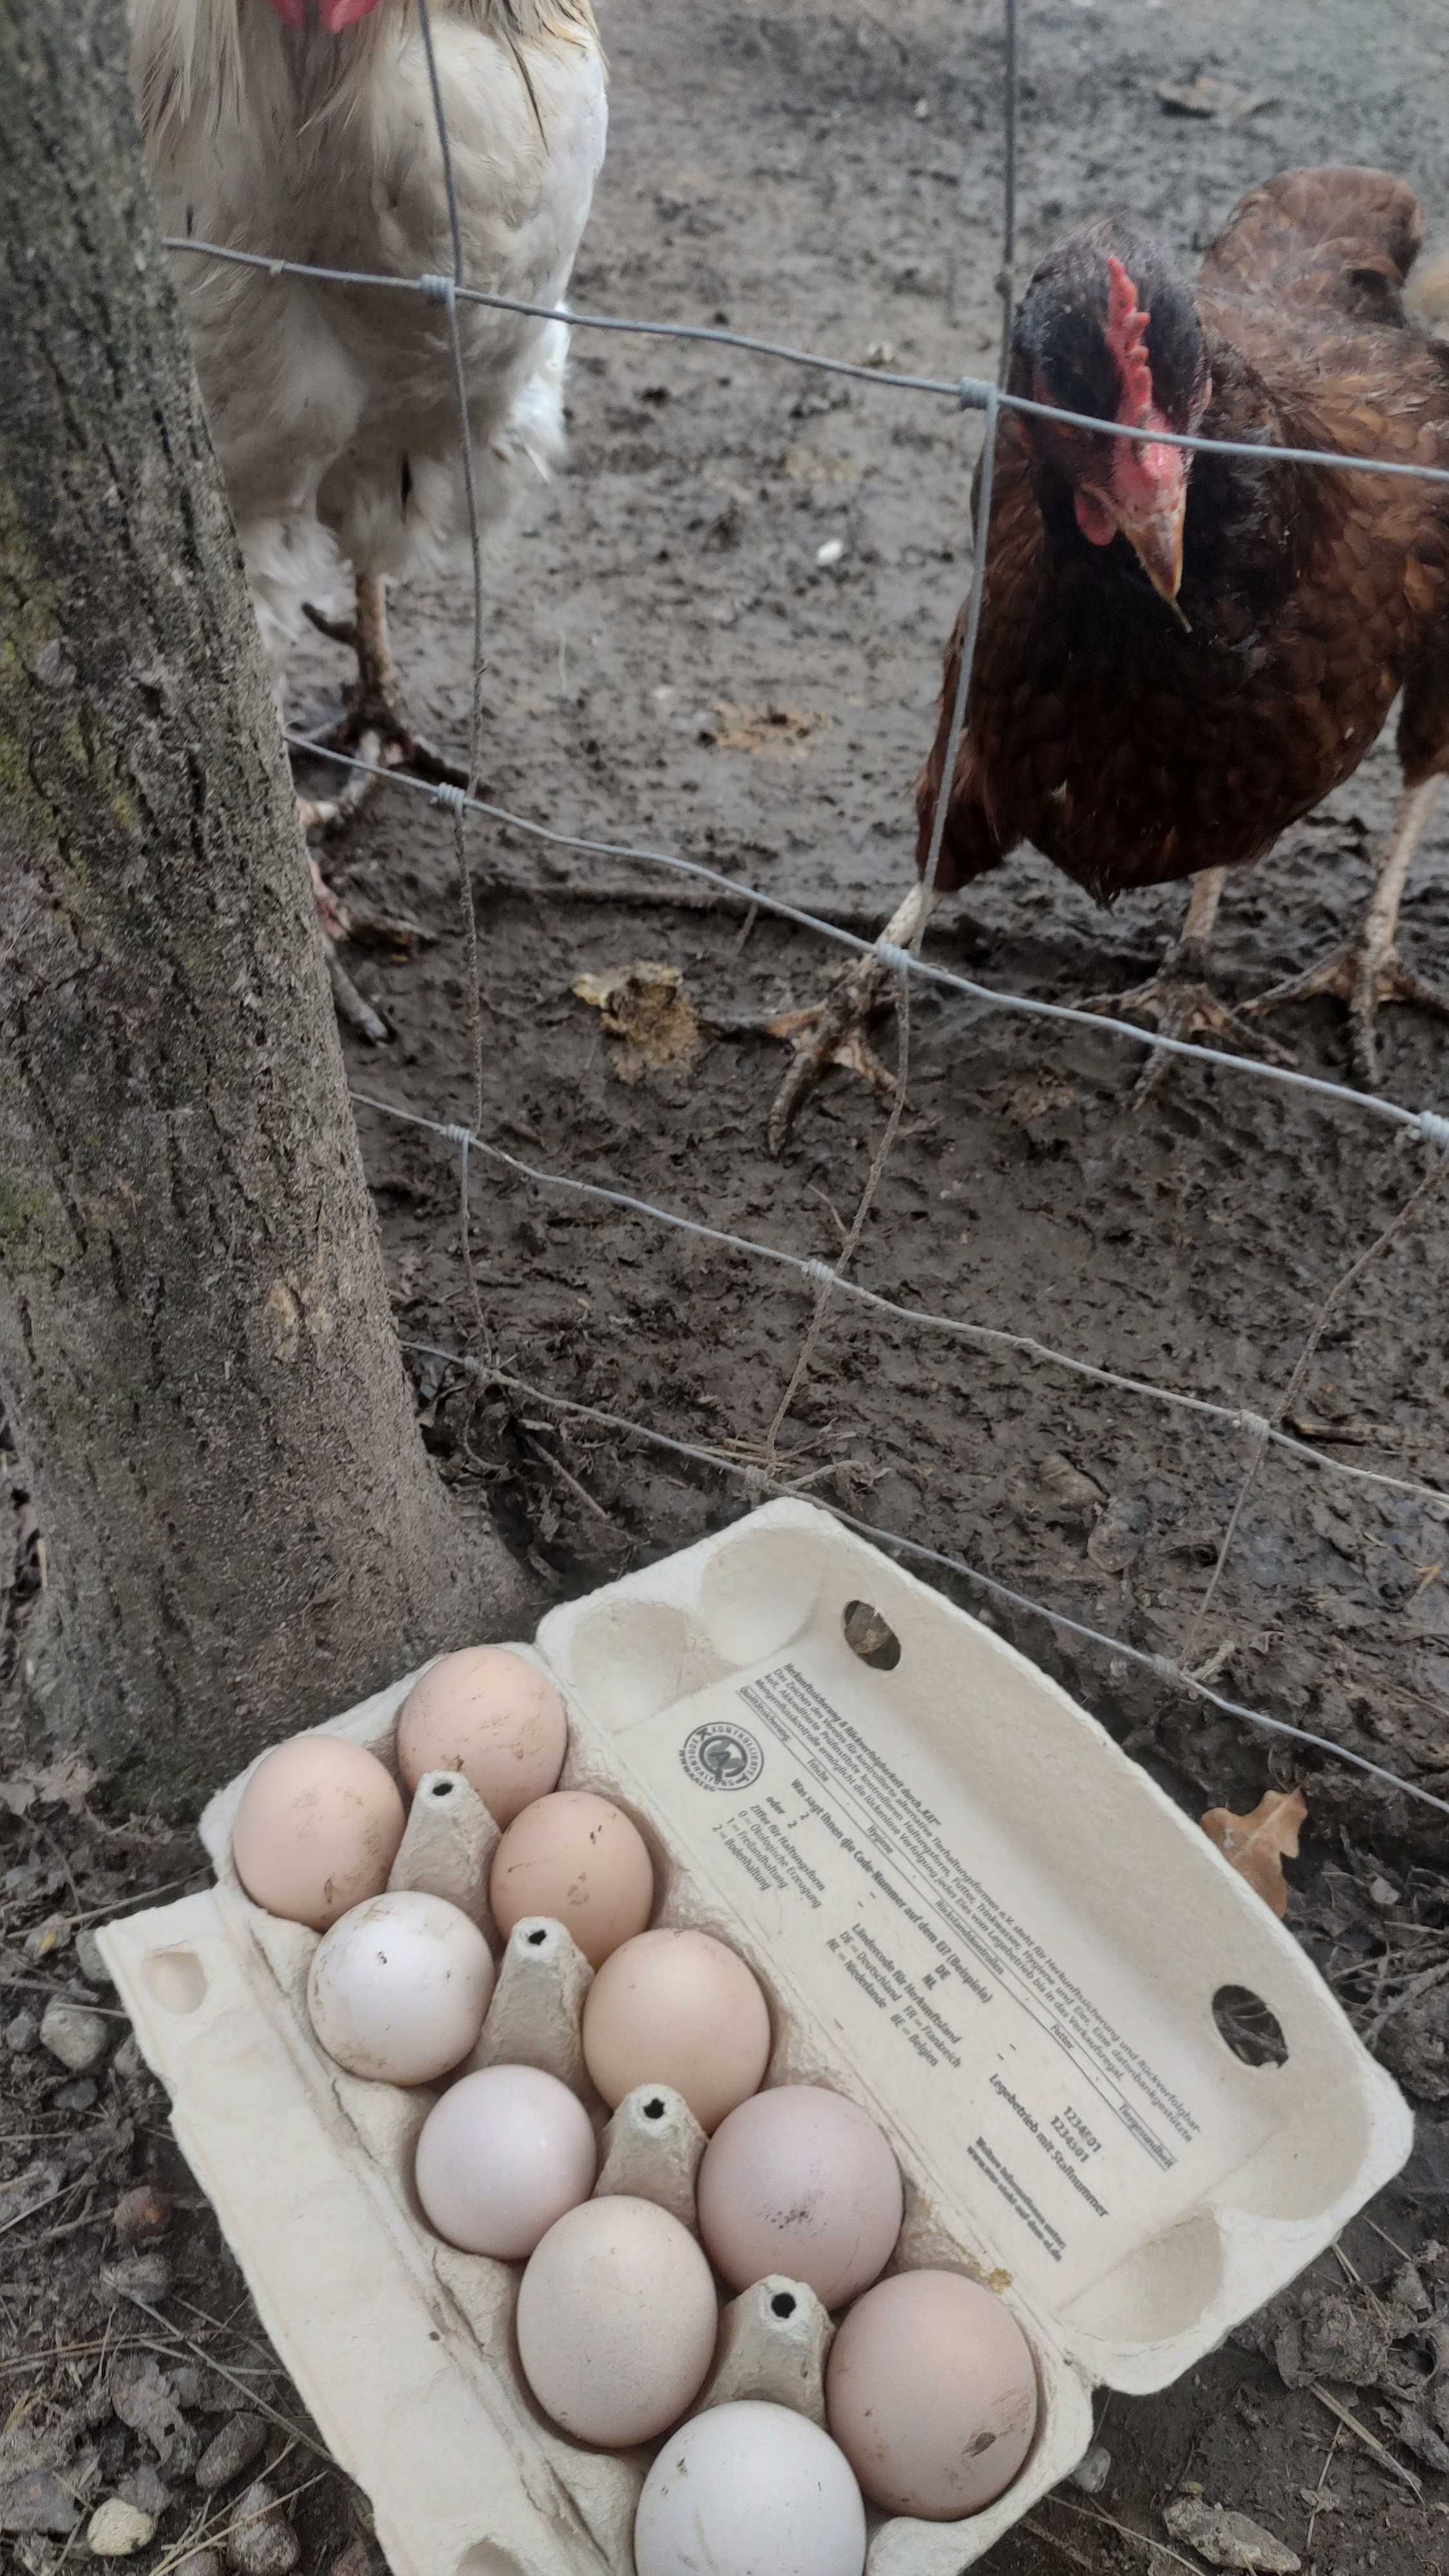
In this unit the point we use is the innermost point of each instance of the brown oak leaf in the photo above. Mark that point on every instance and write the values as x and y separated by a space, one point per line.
1254 1845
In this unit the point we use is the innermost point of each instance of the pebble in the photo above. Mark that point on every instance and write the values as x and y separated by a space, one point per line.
142 2214
354 2560
262 2544
89 1961
22 2033
80 2096
36 2501
1228 2539
77 2037
117 2529
230 2451
202 2562
137 2276
832 552
128 2062
1093 2469
144 2490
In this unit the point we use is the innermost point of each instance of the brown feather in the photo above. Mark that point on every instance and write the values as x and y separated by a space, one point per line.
1132 752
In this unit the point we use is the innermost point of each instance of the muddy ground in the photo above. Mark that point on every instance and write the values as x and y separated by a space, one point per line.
671 666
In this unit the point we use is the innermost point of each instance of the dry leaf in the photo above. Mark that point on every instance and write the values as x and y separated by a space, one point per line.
63 1782
1206 96
753 729
647 1007
1255 1845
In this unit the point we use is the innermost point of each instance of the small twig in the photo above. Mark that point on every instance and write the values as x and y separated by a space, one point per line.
1144 2539
209 2362
38 1986
1054 2540
223 2531
1407 1994
1318 2490
1370 2440
36 2206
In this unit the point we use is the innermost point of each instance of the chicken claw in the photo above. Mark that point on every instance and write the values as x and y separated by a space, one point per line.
1354 975
374 730
1181 1002
1181 1006
338 921
833 1031
1366 972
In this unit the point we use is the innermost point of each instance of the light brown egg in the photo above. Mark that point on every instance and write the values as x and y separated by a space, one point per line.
317 1829
617 2318
491 1715
579 1859
931 2394
799 2181
678 2008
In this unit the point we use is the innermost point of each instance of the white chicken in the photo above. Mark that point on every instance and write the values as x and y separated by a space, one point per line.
305 129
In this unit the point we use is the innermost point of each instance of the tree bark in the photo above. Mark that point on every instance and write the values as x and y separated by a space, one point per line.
244 1531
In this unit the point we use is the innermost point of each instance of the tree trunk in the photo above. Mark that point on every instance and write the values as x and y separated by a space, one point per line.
244 1531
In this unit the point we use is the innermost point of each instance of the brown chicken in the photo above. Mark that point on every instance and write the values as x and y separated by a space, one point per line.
1180 653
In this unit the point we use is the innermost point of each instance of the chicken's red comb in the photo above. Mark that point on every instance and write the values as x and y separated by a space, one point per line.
1127 340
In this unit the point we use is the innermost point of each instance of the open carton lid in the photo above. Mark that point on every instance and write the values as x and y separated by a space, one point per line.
1012 1938
971 1911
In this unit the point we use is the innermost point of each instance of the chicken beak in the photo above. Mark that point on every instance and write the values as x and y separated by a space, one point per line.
1156 541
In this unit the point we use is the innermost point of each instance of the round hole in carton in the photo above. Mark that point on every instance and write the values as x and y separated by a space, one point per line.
442 1788
783 2304
177 1979
536 1939
1247 2027
870 1636
654 2108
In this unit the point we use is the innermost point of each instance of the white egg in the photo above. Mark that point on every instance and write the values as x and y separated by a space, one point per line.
501 2157
399 1987
750 2490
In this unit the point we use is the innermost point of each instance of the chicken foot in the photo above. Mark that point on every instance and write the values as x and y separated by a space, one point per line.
374 728
1179 1000
1366 971
834 1031
335 923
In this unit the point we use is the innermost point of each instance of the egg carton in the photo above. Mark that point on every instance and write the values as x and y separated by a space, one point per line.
970 1912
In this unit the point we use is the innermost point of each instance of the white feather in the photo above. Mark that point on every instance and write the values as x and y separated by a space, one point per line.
334 409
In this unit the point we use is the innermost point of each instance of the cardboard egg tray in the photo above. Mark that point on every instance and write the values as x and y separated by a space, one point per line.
970 1913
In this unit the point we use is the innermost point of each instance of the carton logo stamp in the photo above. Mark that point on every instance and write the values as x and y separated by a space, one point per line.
722 1757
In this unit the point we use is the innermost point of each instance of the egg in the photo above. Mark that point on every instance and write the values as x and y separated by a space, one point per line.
750 2490
500 2159
579 1860
494 1717
317 1829
678 2008
617 2318
398 1988
799 2181
931 2394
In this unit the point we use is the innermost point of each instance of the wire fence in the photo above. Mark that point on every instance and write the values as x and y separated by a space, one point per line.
830 1281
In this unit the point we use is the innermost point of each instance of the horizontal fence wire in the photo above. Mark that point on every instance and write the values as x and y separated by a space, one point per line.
760 1479
1431 1124
971 393
983 1337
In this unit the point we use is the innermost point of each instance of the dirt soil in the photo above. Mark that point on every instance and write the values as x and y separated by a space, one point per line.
671 665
